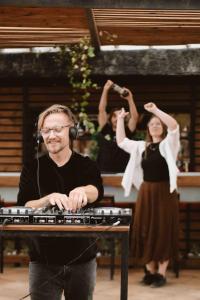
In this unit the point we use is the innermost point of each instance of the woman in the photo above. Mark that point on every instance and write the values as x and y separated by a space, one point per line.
152 169
110 157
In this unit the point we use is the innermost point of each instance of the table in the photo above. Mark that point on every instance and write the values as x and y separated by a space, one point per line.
120 232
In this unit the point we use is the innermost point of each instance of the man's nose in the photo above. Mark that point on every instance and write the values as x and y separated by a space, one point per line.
52 133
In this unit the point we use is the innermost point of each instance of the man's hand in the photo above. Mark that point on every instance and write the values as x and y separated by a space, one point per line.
77 198
61 200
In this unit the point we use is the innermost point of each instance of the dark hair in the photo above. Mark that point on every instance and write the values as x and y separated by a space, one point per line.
113 110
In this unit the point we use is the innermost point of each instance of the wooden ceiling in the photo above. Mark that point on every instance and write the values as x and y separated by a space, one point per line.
32 26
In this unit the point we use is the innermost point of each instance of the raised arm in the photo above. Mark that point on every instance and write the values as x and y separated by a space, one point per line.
169 121
102 115
120 131
133 111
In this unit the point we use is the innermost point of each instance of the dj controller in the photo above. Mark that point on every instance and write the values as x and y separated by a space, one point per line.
53 216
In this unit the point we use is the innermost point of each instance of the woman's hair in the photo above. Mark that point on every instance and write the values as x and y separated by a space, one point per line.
56 108
113 110
149 137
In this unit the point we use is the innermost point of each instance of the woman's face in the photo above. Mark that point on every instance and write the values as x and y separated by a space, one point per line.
155 127
114 119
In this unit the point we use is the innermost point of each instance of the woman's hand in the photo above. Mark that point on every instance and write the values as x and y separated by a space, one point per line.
108 85
150 107
129 96
122 114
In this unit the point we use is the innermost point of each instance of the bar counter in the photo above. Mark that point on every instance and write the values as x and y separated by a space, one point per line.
188 187
190 179
11 179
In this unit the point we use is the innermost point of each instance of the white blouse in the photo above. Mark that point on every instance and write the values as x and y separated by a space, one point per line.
168 147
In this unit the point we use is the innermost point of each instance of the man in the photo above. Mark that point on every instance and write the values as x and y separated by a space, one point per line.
71 182
112 159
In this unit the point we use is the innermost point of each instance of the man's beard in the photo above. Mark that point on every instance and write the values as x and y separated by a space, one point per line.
55 150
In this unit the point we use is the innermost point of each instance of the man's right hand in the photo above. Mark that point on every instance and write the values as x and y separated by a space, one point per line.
61 200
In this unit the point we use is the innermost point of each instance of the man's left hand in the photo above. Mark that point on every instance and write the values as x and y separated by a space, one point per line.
77 198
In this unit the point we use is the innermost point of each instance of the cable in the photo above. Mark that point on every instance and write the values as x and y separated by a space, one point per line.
38 169
5 222
76 258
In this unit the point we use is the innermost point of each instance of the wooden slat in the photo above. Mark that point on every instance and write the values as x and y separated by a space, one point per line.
10 98
11 129
9 181
149 36
10 160
182 180
10 105
197 144
10 122
10 113
48 17
10 152
10 168
10 144
10 136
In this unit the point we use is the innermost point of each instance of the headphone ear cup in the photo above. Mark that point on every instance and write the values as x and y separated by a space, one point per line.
73 132
39 138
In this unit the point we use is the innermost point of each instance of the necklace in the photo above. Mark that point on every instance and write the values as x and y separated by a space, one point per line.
153 146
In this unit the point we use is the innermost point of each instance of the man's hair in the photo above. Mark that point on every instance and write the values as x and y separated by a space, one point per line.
56 108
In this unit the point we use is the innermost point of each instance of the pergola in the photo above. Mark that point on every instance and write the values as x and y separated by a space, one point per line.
30 82
108 22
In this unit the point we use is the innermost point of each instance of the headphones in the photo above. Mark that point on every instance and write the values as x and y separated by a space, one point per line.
73 134
73 130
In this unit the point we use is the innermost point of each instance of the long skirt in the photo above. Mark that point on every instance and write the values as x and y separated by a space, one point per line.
156 223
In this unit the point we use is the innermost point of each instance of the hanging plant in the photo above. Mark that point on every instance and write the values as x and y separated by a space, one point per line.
76 60
79 75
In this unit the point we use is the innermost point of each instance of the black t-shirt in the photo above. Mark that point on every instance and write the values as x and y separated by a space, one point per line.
111 158
154 165
78 171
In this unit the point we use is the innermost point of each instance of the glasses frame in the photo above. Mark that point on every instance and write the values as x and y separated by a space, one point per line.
53 129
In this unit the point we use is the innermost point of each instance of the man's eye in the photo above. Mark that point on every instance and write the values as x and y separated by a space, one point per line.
57 129
45 130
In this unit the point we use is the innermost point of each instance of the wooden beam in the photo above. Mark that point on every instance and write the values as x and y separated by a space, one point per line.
93 30
153 4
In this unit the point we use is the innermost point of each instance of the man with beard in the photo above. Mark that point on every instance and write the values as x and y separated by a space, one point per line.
69 181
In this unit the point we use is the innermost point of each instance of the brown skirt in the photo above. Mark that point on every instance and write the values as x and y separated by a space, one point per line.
156 223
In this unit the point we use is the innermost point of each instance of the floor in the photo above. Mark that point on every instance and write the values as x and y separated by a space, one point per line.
14 285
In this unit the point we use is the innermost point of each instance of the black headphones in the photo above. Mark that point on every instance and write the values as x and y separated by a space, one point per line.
73 134
73 130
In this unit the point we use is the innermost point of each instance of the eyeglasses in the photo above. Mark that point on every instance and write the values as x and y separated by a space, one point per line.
55 129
